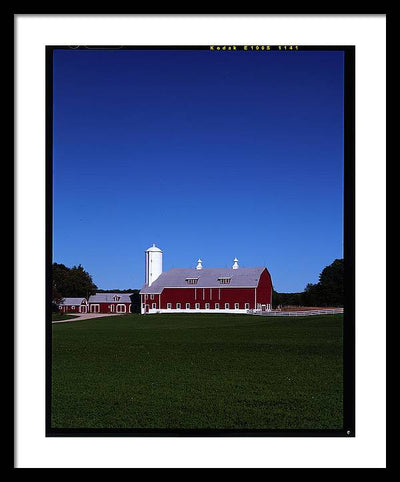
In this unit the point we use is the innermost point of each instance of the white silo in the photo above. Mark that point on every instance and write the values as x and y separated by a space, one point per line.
153 264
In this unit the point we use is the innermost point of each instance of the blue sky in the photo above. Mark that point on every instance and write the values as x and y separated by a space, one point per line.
206 154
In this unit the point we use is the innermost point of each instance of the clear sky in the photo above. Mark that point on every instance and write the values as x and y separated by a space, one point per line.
206 154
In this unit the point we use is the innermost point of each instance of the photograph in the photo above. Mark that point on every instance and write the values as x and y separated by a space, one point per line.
200 240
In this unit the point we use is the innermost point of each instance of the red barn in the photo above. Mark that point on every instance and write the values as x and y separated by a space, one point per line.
110 303
73 305
204 290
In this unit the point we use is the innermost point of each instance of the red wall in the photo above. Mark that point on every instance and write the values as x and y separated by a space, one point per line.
264 288
71 309
207 295
105 307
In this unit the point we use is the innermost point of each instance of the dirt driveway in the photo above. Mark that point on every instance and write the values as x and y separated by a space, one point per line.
88 316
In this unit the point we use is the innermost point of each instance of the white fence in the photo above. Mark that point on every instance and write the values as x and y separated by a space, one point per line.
329 311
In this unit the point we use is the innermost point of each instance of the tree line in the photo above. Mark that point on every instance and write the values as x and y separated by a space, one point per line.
329 291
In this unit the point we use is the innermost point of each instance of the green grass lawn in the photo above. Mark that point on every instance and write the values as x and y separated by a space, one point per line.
199 371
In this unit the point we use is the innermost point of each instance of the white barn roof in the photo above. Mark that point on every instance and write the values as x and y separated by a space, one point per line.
110 298
72 301
206 278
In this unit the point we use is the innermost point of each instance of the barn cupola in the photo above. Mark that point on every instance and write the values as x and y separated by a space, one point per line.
199 266
235 264
153 264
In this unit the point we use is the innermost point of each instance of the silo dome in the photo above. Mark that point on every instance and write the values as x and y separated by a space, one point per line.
154 249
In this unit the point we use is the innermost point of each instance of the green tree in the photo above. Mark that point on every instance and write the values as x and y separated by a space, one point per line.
286 299
135 298
331 284
72 282
276 299
56 296
311 295
329 291
59 280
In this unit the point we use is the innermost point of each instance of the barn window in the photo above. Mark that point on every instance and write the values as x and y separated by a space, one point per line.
247 306
152 297
154 306
178 306
197 306
227 306
224 280
236 306
169 306
217 306
207 306
192 281
188 306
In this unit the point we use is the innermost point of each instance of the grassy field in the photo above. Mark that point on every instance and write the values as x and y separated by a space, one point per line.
198 372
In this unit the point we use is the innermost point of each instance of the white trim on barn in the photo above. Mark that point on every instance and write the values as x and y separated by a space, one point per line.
120 308
95 308
195 310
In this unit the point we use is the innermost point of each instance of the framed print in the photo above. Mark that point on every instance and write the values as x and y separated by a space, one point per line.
207 149
196 197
